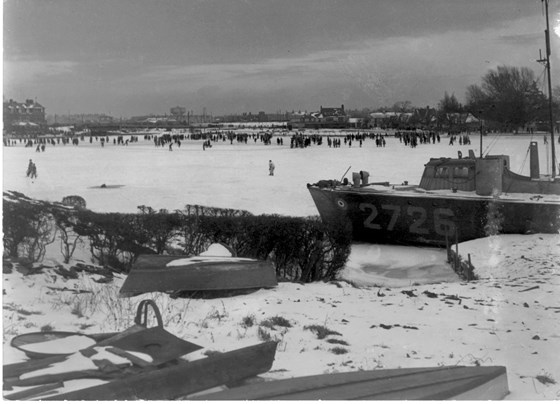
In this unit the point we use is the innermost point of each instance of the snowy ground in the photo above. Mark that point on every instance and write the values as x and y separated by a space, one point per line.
510 317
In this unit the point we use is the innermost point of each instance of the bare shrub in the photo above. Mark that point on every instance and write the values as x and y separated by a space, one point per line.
47 328
264 335
276 321
338 350
28 228
75 201
159 227
337 341
321 331
248 321
69 239
545 379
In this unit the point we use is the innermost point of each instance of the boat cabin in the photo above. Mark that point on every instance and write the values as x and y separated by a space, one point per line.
489 175
465 174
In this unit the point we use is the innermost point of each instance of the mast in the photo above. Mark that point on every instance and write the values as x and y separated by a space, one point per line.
547 66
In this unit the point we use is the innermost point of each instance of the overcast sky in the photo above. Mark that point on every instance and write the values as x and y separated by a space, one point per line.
134 57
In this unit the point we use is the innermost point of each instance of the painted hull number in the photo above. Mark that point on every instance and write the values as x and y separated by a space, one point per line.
443 224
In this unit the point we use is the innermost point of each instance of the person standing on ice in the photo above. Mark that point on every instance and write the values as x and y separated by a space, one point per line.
30 168
271 167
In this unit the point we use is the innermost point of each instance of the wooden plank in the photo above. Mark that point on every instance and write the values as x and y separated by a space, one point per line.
30 393
160 344
280 388
58 377
181 380
401 384
98 337
19 368
494 389
491 385
118 336
421 384
131 357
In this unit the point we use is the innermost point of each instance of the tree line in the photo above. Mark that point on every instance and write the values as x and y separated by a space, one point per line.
507 98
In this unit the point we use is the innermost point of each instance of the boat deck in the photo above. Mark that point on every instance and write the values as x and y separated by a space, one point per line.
415 191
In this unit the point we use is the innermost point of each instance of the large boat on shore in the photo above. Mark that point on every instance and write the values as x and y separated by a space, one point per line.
458 199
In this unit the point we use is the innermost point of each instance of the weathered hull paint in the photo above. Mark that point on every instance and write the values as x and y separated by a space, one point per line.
423 219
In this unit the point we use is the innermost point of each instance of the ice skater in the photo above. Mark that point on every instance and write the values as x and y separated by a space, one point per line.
271 167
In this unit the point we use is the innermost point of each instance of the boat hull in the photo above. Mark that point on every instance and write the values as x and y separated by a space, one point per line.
441 383
152 273
430 219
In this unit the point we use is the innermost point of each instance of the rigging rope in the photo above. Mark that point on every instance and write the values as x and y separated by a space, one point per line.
525 160
491 144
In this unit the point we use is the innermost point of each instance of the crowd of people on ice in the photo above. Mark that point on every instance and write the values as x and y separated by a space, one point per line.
298 139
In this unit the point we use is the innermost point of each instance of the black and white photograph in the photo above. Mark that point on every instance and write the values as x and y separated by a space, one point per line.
281 200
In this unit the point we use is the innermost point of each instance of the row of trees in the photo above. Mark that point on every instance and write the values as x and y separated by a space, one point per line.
509 97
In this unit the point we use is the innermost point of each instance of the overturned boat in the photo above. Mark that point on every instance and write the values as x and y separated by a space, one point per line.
205 272
458 199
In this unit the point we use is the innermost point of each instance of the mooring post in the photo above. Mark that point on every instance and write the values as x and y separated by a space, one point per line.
447 248
456 248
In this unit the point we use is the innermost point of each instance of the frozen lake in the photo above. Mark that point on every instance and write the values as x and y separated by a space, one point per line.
227 176
236 176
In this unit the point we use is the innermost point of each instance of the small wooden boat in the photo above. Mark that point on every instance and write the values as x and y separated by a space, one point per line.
154 366
165 273
442 383
172 380
184 378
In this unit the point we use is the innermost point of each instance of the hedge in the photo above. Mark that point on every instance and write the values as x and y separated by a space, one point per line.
300 249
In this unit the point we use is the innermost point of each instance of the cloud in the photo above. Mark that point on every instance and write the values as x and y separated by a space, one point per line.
37 69
556 24
268 74
521 39
256 54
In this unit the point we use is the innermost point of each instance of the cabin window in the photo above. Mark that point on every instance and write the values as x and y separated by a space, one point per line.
442 172
461 172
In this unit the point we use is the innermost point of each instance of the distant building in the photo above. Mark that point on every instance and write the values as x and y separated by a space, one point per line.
178 113
388 119
22 113
324 118
76 119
